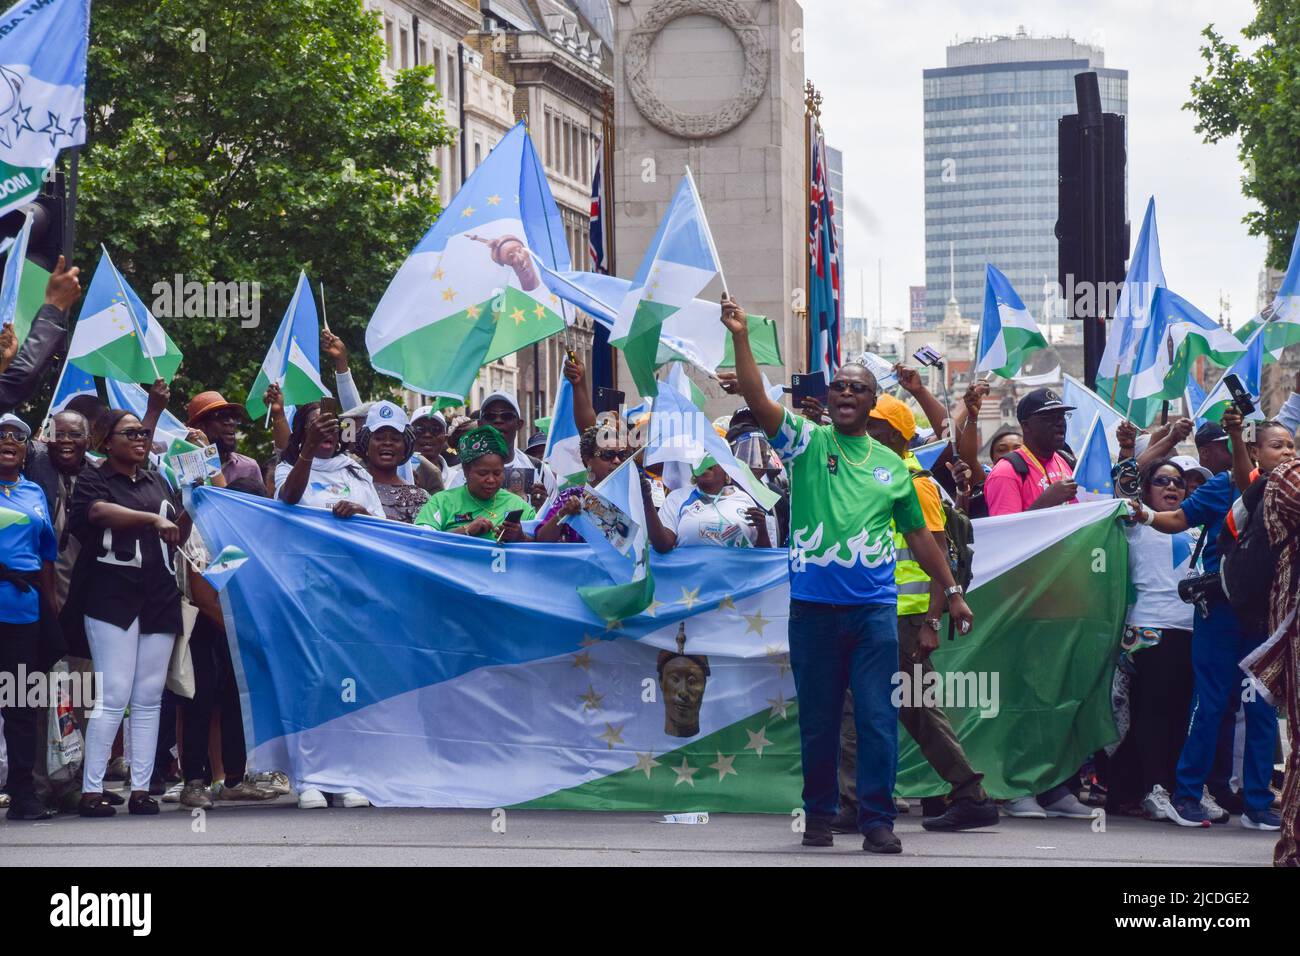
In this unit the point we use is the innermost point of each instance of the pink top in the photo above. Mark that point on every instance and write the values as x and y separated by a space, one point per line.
1006 493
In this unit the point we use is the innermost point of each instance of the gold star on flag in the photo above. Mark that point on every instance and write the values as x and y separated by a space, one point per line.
655 604
494 200
776 656
685 773
591 700
555 300
723 766
757 741
647 763
612 735
473 311
690 598
467 212
438 274
518 316
448 294
614 626
726 602
582 660
779 705
540 311
756 623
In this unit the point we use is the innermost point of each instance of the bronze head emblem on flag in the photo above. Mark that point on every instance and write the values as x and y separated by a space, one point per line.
511 251
682 679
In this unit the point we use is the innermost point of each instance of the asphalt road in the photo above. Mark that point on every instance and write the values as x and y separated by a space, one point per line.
279 834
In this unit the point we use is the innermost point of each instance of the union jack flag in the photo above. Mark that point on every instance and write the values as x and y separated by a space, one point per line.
596 228
823 267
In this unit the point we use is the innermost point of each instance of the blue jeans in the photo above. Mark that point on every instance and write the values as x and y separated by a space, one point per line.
1218 643
834 647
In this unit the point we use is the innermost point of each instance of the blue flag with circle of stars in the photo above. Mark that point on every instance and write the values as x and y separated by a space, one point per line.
1092 469
474 288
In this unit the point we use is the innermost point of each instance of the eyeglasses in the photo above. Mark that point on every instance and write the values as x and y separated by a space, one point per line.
858 387
1164 481
13 435
69 436
134 434
226 416
500 417
612 454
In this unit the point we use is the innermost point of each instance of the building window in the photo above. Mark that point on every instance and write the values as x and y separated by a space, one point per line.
437 69
568 149
550 146
388 41
402 54
451 76
421 53
478 153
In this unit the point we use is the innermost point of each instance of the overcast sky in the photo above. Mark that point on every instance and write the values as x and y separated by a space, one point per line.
866 57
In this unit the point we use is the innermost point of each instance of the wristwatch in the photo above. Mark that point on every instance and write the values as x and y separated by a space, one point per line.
934 623
955 589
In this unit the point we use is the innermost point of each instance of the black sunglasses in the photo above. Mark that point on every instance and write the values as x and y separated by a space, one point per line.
1164 481
612 454
134 434
840 385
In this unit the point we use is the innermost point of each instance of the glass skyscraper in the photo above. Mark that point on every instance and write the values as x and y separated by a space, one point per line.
991 162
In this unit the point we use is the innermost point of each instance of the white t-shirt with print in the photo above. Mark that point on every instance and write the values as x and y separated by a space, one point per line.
700 519
333 480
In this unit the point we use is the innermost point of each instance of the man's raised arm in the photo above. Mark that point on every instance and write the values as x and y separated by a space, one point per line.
767 412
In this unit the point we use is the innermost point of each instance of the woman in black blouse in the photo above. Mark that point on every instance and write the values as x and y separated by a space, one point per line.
124 594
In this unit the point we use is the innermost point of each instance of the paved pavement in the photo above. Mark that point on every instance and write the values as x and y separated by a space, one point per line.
281 835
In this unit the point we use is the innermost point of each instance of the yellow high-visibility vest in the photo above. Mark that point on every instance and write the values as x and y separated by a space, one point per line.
913 583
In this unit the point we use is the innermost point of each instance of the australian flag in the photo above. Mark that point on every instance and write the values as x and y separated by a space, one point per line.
596 228
823 268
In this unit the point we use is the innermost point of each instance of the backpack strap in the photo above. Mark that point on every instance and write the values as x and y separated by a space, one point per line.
1018 463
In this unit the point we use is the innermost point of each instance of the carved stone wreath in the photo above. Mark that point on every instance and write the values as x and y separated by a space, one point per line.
736 18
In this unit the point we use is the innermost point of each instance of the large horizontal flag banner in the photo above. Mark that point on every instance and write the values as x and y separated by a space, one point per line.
475 288
494 688
42 91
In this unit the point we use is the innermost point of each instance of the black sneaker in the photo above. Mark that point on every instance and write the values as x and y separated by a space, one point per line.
965 814
1232 801
881 839
933 807
845 822
29 808
818 832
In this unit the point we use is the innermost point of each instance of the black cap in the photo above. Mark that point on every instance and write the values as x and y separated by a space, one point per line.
1040 401
1209 433
538 438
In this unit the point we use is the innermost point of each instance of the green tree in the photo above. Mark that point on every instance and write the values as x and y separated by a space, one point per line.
1257 96
245 141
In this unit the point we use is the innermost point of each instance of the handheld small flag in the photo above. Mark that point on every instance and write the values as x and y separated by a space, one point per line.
223 567
1087 405
1092 469
13 274
1008 334
72 382
613 522
115 335
293 360
677 265
1145 275
1250 370
562 439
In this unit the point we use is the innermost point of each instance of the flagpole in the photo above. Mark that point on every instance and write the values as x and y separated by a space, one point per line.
322 310
287 322
708 233
54 396
126 300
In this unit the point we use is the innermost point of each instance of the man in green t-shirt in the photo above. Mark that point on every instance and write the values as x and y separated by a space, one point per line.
847 494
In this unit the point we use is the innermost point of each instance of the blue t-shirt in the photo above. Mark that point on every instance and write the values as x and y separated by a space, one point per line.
1209 505
26 540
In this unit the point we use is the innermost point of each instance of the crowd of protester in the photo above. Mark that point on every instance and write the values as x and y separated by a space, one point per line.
100 567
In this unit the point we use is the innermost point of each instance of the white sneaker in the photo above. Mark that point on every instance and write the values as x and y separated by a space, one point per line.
350 798
1071 808
1157 803
311 799
173 793
1025 807
1212 809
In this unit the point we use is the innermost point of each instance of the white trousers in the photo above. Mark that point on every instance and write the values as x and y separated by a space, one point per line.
133 669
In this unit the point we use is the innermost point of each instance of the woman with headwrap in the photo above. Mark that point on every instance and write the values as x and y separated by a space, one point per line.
385 443
313 473
481 505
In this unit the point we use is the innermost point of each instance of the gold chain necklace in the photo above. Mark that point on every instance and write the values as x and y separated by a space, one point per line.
870 445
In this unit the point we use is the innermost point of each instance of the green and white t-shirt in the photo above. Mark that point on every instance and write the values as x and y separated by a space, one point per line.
455 507
846 495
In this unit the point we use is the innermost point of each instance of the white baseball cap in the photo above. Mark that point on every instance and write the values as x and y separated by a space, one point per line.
386 415
1188 463
9 418
507 397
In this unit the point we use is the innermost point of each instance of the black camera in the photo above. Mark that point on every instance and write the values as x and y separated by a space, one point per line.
1200 590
